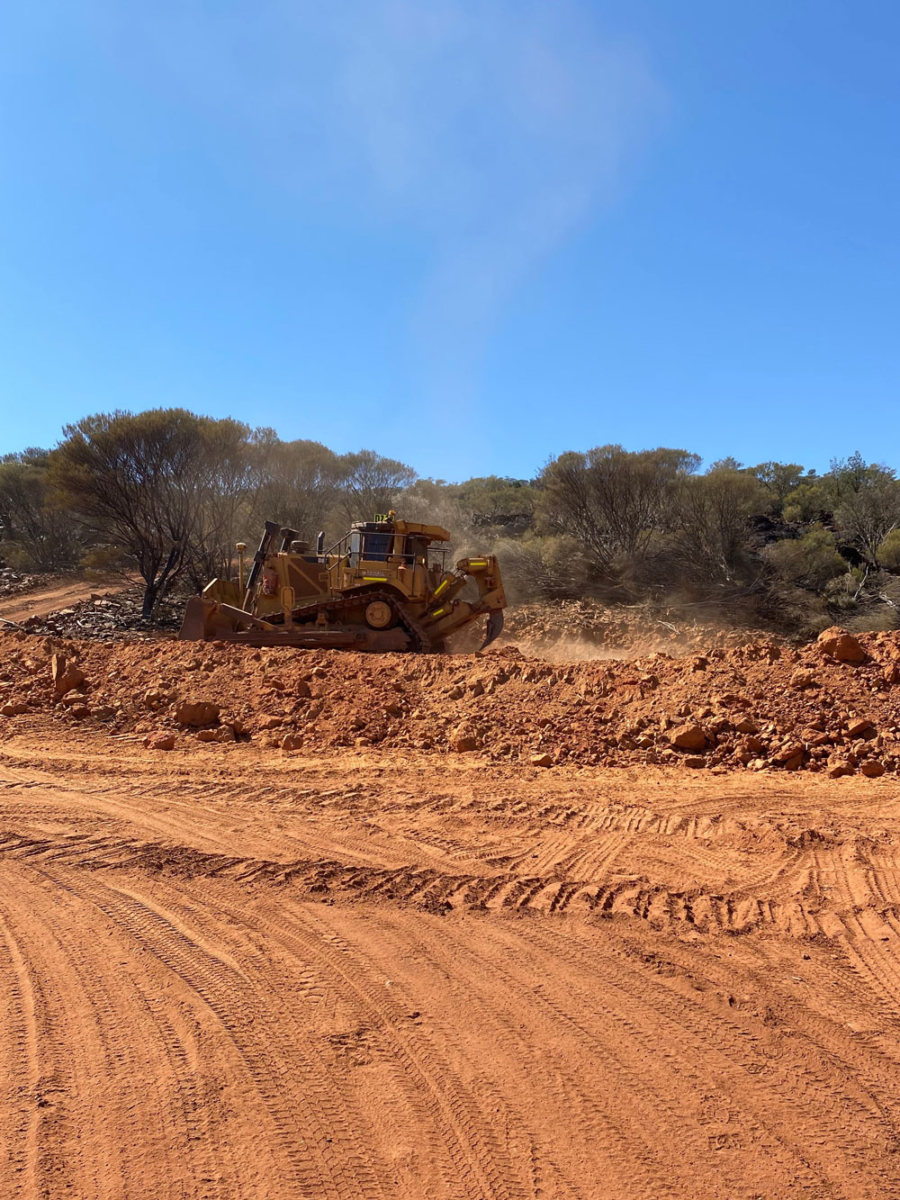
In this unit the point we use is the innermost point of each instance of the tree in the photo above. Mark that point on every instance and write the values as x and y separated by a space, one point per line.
299 482
780 480
35 533
866 503
226 484
369 484
810 561
141 480
613 501
713 513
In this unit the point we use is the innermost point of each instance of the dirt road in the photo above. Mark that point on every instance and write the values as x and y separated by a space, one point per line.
62 594
232 973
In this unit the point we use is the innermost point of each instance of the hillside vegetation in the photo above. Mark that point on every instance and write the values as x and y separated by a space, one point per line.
168 493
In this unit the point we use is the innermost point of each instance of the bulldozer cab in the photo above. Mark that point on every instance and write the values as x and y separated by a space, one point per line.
392 545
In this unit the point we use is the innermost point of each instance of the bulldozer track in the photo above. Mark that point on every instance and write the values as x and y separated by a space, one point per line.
332 609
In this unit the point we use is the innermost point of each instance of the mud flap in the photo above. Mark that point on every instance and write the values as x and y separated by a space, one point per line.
494 627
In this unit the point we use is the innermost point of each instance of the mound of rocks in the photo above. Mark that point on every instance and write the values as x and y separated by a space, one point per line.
831 707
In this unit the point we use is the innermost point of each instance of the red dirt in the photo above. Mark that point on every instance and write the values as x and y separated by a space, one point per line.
759 706
398 970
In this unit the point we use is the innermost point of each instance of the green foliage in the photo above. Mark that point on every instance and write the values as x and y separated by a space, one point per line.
888 553
810 561
781 481
369 483
612 500
149 482
35 533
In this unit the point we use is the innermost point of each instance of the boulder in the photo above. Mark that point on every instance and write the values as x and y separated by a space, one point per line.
693 761
840 645
802 679
197 712
160 741
790 756
68 678
689 737
292 741
13 708
464 742
541 760
271 722
861 727
838 767
872 768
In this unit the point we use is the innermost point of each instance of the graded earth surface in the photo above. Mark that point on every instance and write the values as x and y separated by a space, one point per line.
471 927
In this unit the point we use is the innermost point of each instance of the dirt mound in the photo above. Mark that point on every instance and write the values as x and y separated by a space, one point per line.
760 706
585 629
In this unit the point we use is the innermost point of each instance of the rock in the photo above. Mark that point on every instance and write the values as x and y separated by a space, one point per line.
840 645
271 722
197 712
802 679
892 673
541 760
693 761
861 727
689 737
79 711
14 708
872 768
160 741
790 756
207 735
103 712
815 737
67 679
746 725
838 767
292 741
463 743
700 663
302 688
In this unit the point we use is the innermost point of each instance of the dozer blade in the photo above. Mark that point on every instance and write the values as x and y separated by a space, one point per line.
193 625
494 627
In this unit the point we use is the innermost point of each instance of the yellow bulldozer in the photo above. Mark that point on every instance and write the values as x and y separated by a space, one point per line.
384 586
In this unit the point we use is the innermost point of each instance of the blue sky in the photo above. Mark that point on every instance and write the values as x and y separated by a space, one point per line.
466 234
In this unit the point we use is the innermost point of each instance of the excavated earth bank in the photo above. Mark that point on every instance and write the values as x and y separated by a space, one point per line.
287 923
